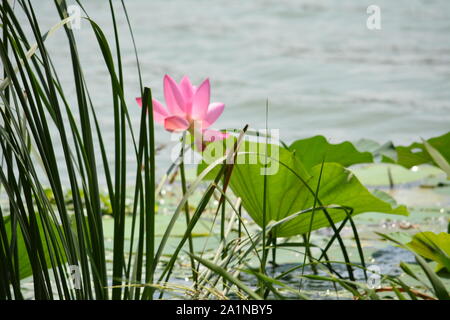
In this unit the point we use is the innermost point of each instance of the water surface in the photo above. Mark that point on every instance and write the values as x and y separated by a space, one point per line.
320 67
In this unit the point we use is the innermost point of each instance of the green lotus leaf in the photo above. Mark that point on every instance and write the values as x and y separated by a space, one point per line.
314 150
290 188
433 246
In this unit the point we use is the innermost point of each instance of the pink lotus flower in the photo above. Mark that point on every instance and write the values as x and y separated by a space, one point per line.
188 109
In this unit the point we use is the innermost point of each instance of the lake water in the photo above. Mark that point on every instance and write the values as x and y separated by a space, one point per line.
320 67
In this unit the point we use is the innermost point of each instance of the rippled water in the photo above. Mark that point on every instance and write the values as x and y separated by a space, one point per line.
322 70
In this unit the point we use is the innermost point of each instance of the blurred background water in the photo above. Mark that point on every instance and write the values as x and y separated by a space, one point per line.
320 67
